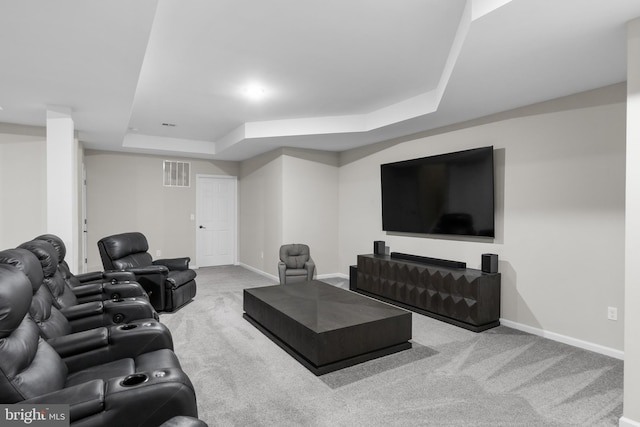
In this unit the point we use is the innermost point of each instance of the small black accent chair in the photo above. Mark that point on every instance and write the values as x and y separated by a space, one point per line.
170 283
296 264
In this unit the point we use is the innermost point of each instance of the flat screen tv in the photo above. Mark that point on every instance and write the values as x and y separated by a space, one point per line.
449 194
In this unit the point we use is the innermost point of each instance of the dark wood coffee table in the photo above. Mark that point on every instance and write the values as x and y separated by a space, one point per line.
327 328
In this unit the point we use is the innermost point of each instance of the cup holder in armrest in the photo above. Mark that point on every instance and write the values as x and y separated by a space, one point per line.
128 326
134 379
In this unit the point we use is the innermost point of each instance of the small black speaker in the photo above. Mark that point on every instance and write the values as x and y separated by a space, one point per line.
378 247
489 263
353 277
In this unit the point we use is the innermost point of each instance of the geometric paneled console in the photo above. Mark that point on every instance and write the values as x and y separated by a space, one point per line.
464 297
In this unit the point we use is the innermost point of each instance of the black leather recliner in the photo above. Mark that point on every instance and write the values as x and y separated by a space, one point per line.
90 347
96 285
89 314
170 283
144 391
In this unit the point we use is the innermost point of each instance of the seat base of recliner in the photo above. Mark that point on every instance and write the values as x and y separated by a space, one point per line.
179 297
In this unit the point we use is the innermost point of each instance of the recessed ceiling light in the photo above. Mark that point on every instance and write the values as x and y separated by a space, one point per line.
254 91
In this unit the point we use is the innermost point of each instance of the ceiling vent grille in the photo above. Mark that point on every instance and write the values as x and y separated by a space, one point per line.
176 174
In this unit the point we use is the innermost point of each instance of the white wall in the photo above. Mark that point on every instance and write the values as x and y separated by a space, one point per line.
125 193
559 215
289 196
632 276
23 185
310 205
260 211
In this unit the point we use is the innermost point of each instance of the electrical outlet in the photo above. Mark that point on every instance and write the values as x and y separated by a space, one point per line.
262 255
612 313
158 252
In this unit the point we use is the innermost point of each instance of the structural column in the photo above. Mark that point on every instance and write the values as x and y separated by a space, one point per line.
631 411
62 182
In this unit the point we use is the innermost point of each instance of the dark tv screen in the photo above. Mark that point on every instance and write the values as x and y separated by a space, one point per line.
445 194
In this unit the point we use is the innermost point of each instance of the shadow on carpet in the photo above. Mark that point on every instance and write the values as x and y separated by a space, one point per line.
374 367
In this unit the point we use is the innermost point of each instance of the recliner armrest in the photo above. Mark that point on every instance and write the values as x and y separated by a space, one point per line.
174 263
114 276
310 266
83 310
87 289
108 291
150 269
84 399
89 277
80 342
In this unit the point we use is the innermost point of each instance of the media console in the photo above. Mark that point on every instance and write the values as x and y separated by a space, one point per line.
464 297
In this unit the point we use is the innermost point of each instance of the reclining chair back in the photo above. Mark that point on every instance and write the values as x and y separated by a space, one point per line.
28 366
61 250
51 322
124 251
53 278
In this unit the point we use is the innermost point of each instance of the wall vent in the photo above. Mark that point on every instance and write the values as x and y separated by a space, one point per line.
176 174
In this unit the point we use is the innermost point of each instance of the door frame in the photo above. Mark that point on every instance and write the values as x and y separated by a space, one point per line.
234 250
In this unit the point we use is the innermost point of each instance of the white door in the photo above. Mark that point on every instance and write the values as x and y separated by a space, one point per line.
215 220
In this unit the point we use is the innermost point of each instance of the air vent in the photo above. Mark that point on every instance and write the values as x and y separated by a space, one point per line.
176 174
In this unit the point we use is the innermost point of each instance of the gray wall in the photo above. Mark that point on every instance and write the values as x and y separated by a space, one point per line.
560 179
23 184
289 196
125 193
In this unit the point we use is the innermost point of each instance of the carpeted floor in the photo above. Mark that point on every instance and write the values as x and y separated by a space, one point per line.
451 376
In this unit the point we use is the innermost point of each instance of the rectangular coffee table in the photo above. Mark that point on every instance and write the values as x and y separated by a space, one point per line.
327 328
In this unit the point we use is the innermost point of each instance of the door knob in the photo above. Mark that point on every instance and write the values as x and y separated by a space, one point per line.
202 226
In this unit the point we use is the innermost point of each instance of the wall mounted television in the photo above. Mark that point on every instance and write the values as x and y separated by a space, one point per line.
450 194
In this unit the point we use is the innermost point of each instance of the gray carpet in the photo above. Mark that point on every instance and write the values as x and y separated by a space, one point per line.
451 376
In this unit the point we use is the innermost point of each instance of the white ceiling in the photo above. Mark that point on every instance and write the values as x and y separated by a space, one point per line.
337 74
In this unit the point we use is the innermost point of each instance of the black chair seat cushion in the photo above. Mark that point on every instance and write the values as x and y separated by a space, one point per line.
296 272
180 277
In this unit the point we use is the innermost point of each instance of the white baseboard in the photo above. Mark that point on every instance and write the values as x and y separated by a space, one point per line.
277 279
626 422
597 348
260 272
331 275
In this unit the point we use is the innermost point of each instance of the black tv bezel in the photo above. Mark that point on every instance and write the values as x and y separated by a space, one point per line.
434 159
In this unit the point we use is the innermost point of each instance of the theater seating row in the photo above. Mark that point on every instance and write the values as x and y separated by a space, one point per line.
93 342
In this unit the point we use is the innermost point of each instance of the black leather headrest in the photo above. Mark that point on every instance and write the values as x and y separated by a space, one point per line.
26 262
15 298
57 243
121 245
46 254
